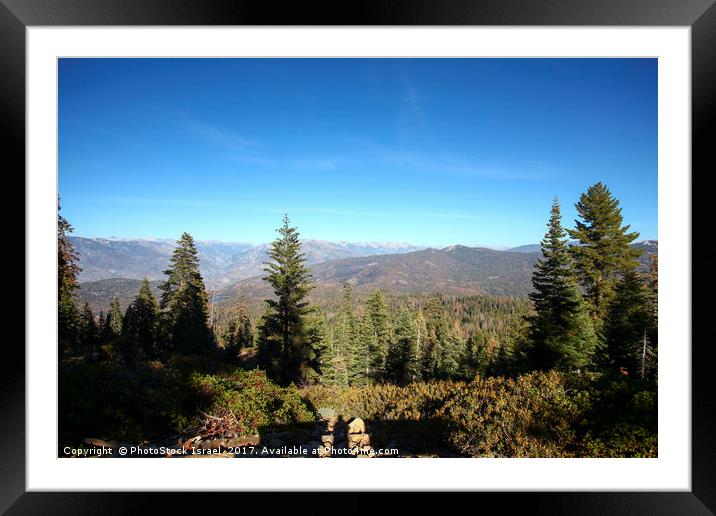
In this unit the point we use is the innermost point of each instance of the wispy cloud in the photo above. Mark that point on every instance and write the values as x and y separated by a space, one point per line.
411 95
223 136
414 104
462 165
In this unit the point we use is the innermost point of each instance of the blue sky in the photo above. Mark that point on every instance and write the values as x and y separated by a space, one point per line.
427 151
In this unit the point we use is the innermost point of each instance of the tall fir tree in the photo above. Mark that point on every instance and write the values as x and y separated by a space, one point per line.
230 340
561 332
67 271
268 343
115 318
453 350
603 251
139 326
436 353
317 365
238 334
652 283
473 361
329 365
379 338
359 358
244 331
88 333
184 301
403 366
346 339
101 321
105 330
629 327
289 277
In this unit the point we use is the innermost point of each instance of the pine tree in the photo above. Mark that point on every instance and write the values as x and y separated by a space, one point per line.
351 352
317 365
139 326
359 358
377 313
230 340
268 343
453 350
437 357
402 365
88 330
101 321
561 331
652 283
603 251
473 361
290 278
105 329
67 271
629 326
238 334
244 332
328 363
115 319
184 301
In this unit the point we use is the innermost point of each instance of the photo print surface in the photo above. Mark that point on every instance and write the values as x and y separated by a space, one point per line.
357 257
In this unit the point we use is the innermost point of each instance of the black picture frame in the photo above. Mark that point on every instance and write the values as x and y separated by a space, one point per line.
700 15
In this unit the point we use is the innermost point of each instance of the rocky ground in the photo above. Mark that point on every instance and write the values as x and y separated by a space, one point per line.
330 437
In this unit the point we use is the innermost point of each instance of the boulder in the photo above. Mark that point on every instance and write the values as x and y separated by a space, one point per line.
356 426
358 440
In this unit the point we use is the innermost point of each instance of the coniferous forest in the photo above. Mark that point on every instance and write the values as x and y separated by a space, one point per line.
568 371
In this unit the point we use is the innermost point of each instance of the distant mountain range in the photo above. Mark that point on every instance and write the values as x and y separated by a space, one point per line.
457 269
221 263
236 269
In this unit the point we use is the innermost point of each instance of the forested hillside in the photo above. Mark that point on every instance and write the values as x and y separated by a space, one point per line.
448 347
456 270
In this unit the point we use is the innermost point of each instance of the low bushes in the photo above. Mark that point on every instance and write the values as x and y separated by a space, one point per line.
111 401
621 419
496 417
154 401
413 402
246 401
530 416
534 415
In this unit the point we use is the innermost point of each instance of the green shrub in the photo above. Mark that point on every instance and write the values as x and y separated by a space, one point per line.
110 401
247 401
621 420
535 415
500 417
621 440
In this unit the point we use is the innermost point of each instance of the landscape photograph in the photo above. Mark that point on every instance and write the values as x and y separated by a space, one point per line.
382 258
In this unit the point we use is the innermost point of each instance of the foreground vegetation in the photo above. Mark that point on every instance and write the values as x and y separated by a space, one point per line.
570 372
534 415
